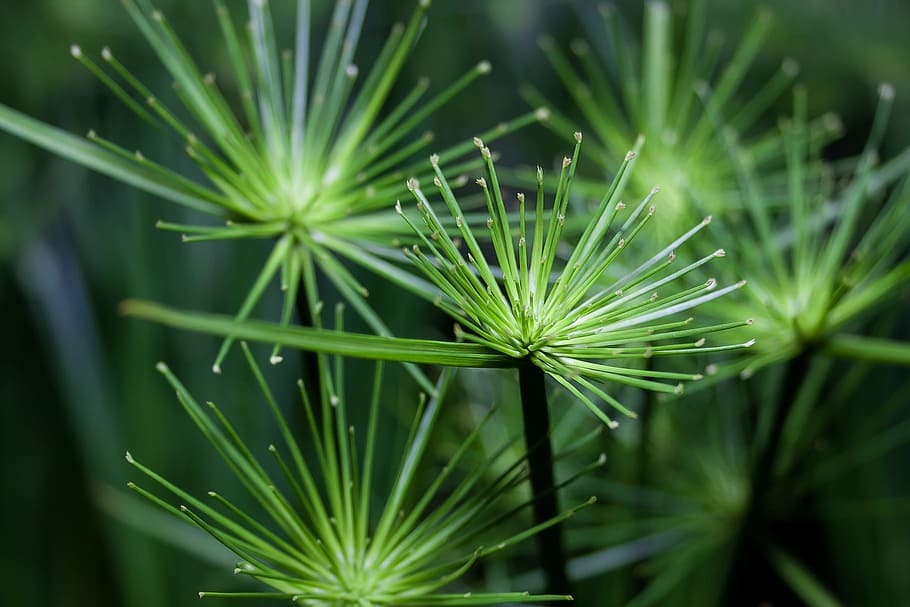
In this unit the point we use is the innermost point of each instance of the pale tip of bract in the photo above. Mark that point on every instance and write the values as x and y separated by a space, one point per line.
720 253
159 16
351 71
216 369
697 377
398 207
651 209
542 113
746 373
711 369
434 159
91 134
486 153
678 389
566 162
539 175
413 184
620 205
201 595
749 321
577 136
706 220
76 51
478 143
832 122
655 190
630 155
602 459
886 91
740 284
129 457
424 3
612 424
276 359
749 343
711 283
106 53
161 367
272 449
790 67
484 67
700 342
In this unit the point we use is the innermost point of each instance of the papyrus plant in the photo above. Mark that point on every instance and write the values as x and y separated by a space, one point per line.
310 160
324 536
624 88
833 254
575 318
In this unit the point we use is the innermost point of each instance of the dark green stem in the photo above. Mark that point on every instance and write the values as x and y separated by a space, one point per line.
745 574
531 381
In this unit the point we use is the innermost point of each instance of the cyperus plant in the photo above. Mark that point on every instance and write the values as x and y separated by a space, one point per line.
835 252
625 88
311 161
561 315
325 540
557 318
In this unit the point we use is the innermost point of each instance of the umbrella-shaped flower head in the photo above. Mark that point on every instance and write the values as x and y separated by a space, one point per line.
308 160
324 537
576 318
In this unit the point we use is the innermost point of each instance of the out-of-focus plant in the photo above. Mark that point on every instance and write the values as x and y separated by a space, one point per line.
649 88
311 162
834 253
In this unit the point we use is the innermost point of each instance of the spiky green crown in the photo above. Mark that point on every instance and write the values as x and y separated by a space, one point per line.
312 161
669 92
324 541
826 258
567 317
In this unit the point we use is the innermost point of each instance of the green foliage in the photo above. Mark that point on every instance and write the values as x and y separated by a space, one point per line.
286 162
338 549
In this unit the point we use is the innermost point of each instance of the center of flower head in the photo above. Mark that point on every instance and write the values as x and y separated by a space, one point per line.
565 313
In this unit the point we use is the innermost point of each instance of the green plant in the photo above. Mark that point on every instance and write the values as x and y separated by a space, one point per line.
342 548
310 163
648 89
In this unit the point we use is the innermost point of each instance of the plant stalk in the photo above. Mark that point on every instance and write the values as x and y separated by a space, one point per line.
536 415
744 577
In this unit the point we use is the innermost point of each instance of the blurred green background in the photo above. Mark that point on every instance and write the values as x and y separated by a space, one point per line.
77 381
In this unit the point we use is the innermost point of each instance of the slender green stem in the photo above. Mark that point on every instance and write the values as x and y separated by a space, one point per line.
531 381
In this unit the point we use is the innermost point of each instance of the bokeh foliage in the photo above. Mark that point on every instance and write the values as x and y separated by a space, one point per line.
79 386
